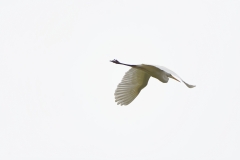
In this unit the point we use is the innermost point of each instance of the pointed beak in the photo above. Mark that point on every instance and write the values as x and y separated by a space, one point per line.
174 78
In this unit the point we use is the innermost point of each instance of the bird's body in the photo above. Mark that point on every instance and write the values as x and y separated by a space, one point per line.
154 72
137 78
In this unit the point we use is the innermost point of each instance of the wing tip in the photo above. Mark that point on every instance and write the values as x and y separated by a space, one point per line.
189 85
192 86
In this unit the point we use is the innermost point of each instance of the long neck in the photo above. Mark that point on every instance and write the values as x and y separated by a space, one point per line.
130 65
117 62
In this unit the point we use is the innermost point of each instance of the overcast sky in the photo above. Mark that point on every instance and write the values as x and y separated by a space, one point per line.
57 84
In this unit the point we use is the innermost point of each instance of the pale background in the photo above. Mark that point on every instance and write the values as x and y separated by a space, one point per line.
57 84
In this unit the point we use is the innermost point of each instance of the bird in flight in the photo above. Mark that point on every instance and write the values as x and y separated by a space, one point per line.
136 78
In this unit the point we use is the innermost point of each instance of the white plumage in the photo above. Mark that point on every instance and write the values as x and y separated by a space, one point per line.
137 78
130 86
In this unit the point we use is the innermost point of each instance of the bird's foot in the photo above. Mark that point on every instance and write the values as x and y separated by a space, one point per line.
115 61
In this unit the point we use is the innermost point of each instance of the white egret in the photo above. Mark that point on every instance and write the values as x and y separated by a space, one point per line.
137 78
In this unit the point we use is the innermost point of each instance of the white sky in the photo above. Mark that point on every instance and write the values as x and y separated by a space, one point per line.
57 84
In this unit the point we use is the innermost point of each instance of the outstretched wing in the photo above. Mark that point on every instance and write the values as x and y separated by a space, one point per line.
132 83
175 76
